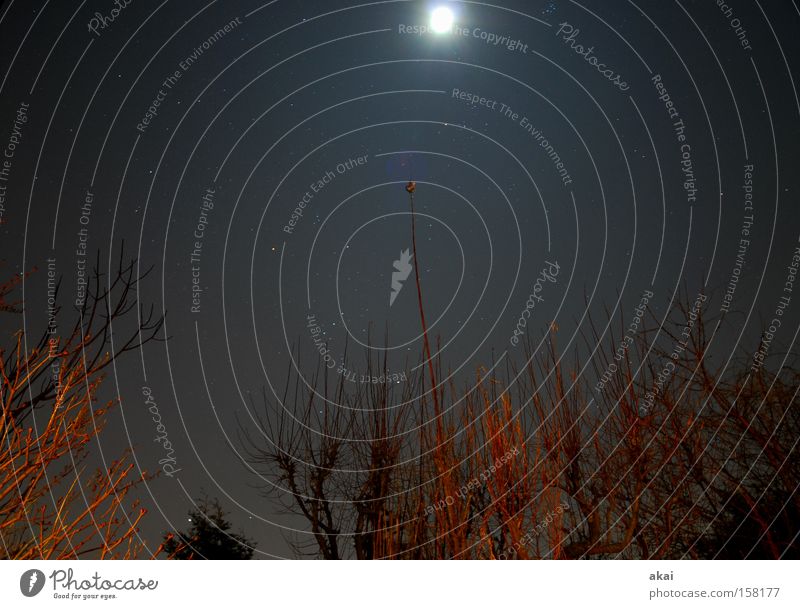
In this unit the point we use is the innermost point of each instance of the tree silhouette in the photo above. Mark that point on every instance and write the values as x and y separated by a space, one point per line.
50 506
696 463
209 537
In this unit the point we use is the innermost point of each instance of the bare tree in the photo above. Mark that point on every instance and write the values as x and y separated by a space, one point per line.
50 506
538 462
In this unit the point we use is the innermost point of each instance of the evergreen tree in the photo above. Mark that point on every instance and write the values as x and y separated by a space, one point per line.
209 537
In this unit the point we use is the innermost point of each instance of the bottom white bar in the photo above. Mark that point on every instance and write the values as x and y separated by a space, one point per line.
399 584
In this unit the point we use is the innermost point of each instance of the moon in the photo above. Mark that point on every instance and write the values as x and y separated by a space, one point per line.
441 20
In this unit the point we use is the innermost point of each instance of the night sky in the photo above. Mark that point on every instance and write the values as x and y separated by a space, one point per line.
255 154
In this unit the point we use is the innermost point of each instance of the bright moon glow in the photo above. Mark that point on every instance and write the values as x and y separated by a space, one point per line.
441 20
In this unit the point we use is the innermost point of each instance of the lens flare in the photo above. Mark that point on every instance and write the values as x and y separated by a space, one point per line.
441 20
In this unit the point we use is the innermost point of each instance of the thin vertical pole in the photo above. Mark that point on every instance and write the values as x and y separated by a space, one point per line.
410 188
